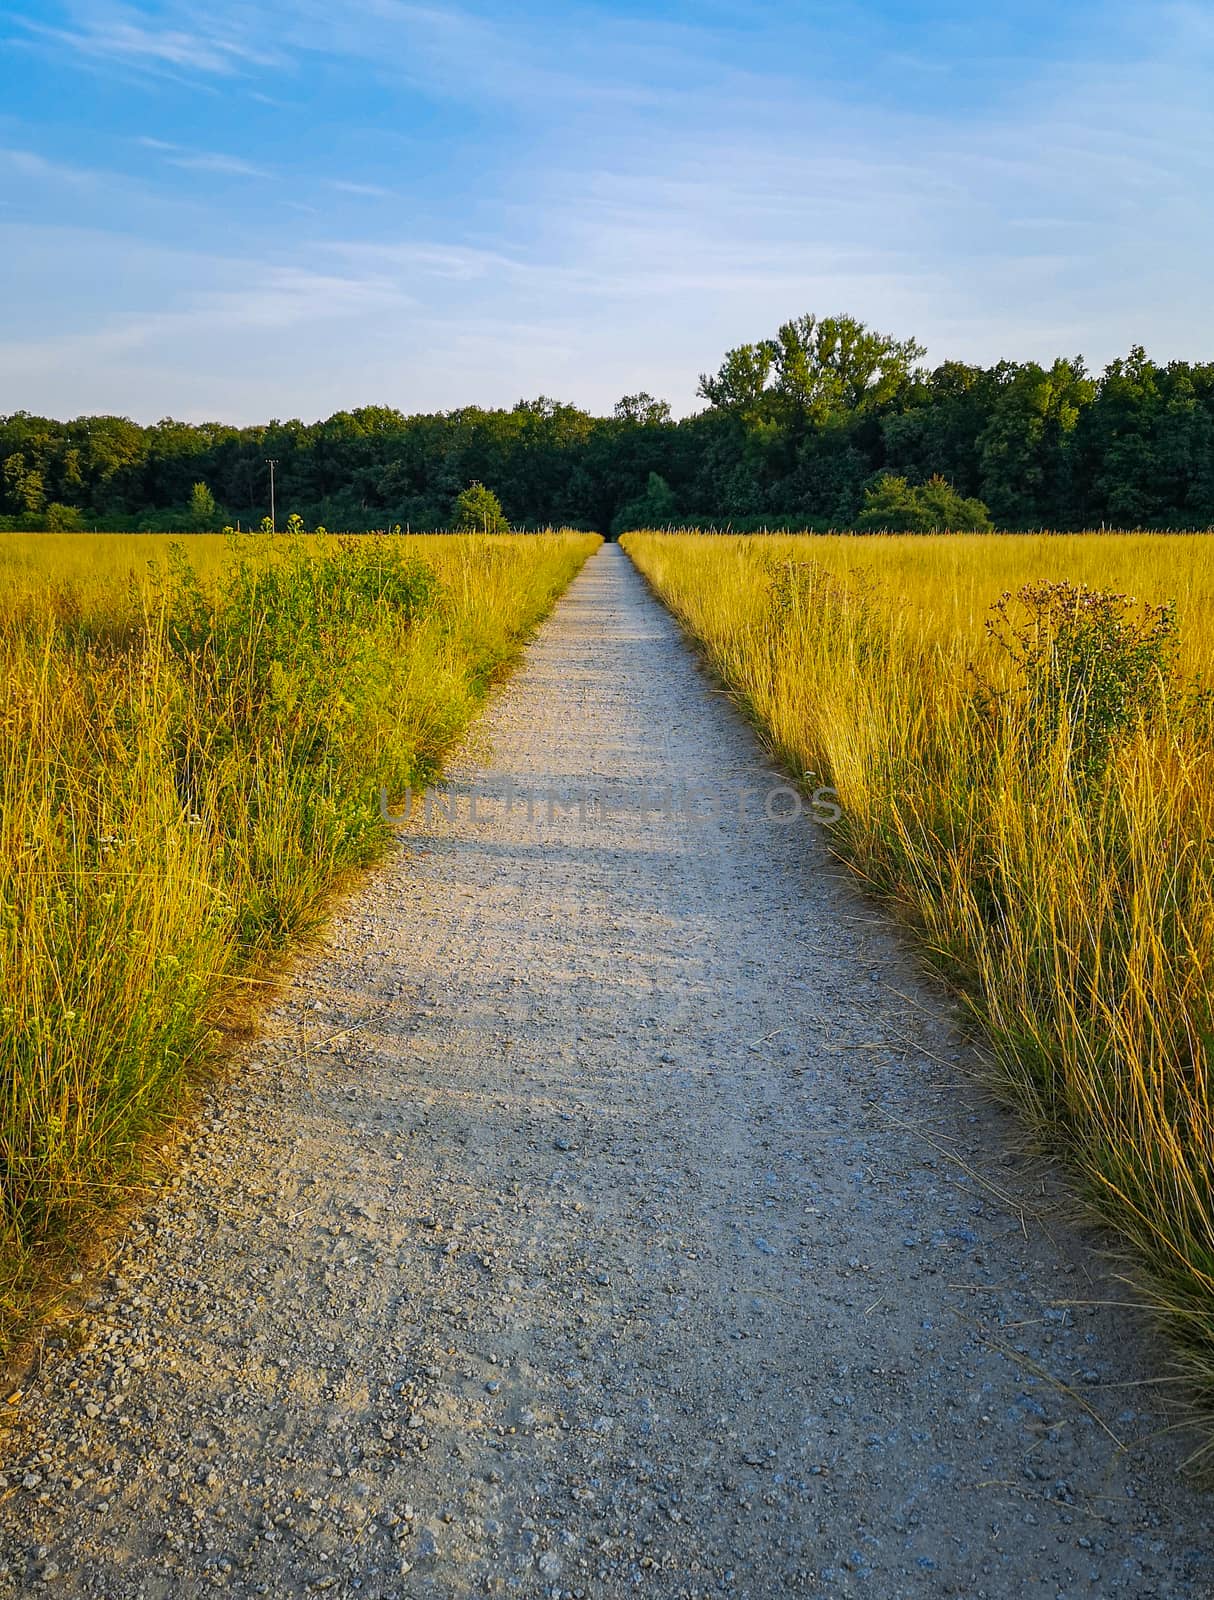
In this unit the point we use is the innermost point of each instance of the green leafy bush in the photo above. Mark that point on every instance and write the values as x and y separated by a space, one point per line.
63 519
1088 664
296 671
892 505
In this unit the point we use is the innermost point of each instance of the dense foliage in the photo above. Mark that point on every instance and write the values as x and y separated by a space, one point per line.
801 429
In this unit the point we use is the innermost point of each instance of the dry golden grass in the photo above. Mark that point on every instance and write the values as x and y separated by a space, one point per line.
1071 898
190 757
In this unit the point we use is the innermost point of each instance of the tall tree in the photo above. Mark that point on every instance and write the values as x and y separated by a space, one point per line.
827 366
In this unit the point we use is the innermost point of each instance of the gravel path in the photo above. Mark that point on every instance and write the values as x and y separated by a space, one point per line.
607 1207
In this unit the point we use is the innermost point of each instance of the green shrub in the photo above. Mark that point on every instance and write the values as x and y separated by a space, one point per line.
295 670
1088 664
892 505
63 519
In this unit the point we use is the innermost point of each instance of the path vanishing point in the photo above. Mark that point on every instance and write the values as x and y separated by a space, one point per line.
609 1206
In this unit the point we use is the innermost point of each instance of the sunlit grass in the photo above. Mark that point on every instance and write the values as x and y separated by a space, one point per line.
192 749
1074 908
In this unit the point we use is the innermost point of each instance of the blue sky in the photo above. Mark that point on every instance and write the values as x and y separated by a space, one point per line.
261 209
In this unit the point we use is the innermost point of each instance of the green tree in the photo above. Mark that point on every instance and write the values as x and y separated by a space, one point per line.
656 508
937 426
203 511
816 367
826 366
742 379
479 510
23 485
642 409
1024 446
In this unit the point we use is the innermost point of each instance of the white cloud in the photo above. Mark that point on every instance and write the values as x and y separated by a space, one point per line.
213 161
370 191
211 295
177 155
29 164
122 34
460 263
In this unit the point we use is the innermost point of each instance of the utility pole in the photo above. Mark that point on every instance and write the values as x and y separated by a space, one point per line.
272 465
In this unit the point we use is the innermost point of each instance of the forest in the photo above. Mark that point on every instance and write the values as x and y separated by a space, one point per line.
827 424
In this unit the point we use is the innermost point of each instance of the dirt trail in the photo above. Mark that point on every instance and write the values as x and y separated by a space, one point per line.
607 1208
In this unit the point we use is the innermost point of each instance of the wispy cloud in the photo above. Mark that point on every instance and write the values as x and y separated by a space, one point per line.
213 161
217 294
29 164
217 161
456 262
119 33
370 191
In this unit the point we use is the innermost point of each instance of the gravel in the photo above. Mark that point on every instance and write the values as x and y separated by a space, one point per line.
587 1220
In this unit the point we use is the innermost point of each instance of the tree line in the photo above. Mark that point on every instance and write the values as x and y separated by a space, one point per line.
828 424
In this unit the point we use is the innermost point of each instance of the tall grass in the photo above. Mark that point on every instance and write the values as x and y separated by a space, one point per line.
1025 768
191 754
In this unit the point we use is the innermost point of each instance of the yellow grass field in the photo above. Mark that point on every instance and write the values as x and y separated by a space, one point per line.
1036 797
194 738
